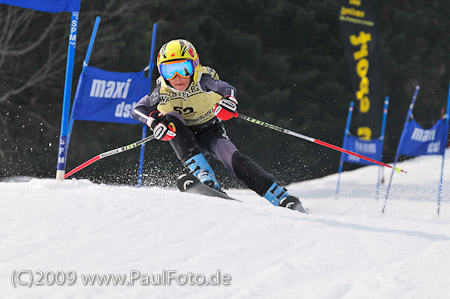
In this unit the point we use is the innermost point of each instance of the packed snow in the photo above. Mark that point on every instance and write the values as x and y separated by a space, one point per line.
345 247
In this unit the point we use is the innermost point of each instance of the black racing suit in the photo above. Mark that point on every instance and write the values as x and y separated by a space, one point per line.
207 137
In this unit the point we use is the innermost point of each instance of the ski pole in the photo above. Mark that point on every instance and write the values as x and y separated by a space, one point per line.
337 148
108 154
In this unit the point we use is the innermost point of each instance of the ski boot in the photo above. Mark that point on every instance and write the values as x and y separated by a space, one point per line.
278 196
199 167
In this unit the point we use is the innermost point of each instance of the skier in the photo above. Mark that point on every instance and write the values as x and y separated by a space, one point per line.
187 108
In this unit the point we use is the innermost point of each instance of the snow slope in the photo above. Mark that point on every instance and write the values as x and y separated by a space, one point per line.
344 249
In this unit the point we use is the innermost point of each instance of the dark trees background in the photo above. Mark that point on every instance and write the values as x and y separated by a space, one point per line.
285 58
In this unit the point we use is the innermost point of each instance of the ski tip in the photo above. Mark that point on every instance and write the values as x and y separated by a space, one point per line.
184 181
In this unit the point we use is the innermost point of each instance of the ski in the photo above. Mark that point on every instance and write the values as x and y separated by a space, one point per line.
187 182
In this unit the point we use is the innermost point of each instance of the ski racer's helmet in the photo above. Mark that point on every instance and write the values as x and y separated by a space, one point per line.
178 57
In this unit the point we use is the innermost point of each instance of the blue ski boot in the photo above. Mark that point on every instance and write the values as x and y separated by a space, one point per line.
199 167
278 196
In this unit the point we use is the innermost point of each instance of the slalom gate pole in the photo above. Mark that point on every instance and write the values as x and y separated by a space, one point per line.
337 148
402 137
144 127
443 154
61 165
383 129
85 64
346 133
108 154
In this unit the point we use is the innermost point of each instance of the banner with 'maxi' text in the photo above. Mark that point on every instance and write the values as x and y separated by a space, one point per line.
109 96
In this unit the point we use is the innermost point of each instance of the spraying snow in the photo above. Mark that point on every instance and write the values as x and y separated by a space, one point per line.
344 249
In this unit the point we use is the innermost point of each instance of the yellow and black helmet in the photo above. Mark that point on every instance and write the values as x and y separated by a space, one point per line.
178 50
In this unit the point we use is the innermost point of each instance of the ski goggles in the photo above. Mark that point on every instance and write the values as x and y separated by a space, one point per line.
184 68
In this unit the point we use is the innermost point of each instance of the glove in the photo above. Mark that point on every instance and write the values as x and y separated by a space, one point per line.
226 108
162 129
